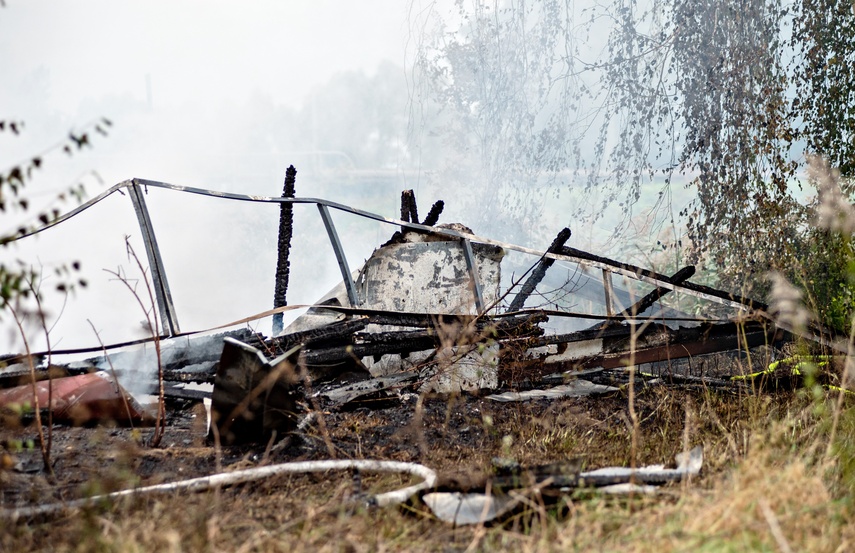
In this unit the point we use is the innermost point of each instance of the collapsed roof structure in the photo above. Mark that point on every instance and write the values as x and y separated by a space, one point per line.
436 308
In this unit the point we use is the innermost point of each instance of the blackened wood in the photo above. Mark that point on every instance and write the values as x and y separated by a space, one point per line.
397 337
539 272
614 334
283 266
402 342
434 213
678 348
409 211
647 301
518 326
573 252
418 341
416 320
409 214
340 331
429 320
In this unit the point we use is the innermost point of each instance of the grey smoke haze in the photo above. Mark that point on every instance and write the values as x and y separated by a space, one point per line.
225 96
210 94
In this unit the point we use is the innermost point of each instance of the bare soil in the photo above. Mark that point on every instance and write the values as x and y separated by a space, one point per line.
454 435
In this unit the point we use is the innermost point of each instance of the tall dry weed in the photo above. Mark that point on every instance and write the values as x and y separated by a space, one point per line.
833 211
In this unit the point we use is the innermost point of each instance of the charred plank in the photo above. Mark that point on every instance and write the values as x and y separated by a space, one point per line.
539 271
647 301
581 254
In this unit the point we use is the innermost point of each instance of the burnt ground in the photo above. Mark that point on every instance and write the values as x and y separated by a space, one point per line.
453 434
461 436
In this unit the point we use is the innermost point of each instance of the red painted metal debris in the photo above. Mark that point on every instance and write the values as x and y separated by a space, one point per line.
80 400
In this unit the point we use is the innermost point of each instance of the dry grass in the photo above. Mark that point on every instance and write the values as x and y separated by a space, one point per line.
767 484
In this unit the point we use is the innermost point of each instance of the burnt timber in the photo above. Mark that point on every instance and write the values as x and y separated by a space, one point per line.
526 352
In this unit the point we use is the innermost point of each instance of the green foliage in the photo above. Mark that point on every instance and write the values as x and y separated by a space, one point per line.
825 271
822 257
14 282
749 99
823 74
731 94
844 451
19 281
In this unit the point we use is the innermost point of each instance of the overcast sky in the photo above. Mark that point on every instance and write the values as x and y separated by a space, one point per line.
174 77
208 50
205 94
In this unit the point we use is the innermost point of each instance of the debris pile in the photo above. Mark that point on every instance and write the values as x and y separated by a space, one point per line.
430 311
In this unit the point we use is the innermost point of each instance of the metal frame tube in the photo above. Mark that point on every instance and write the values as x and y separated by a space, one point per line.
168 317
469 256
352 296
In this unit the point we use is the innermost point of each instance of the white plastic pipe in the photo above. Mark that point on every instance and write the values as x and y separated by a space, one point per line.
203 483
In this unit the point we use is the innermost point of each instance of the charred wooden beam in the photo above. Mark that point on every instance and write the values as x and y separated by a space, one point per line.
432 320
283 266
459 333
613 347
400 338
416 320
333 349
409 210
417 340
681 348
339 331
748 302
512 327
434 213
403 342
616 337
621 331
647 301
539 271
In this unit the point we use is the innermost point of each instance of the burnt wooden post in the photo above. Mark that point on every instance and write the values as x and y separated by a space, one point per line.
644 303
434 213
283 266
409 211
540 271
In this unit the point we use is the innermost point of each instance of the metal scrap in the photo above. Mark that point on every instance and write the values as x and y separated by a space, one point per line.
79 400
576 388
464 508
428 303
253 399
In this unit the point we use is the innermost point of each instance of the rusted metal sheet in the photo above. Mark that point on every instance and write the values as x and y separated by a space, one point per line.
254 399
80 400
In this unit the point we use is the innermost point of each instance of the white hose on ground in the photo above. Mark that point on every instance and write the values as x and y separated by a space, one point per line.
203 483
